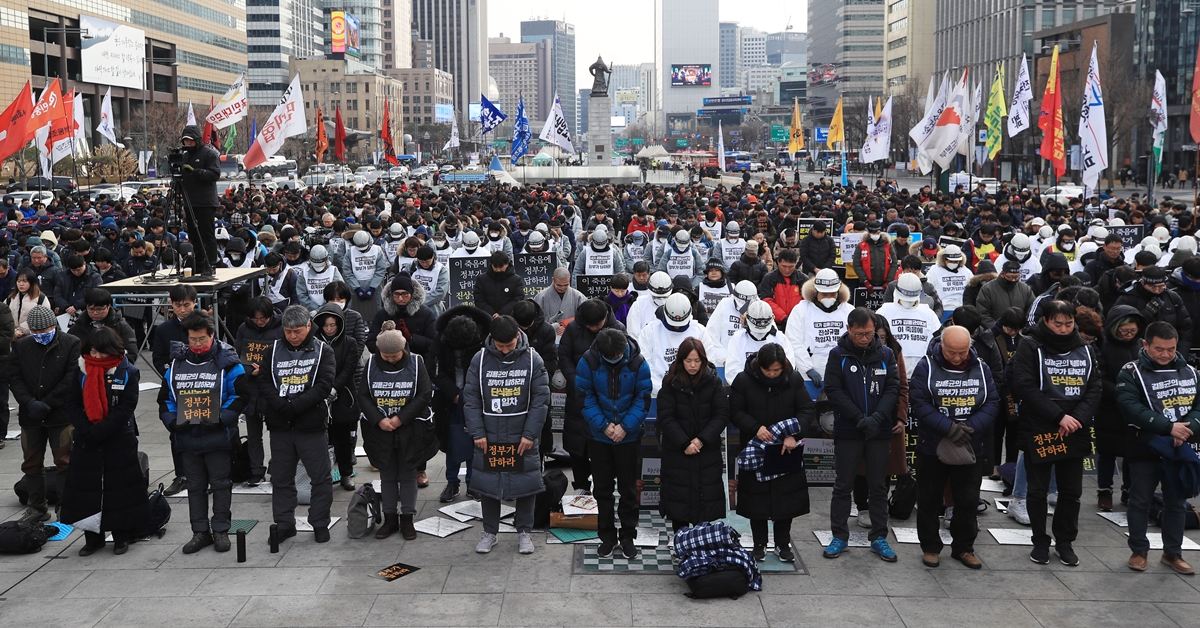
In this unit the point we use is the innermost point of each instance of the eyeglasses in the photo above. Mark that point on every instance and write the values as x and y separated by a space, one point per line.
401 294
862 334
199 342
97 308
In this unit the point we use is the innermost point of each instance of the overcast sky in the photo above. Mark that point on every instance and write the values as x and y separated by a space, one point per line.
623 30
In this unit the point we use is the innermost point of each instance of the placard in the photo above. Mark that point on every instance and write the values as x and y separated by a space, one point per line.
1131 235
804 225
395 572
1052 446
503 457
945 241
464 271
872 299
819 461
593 286
535 269
849 243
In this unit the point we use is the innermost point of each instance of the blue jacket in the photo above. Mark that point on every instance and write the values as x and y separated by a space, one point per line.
617 393
932 424
204 438
862 383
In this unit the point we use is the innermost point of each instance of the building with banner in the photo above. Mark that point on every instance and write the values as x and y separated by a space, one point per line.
687 53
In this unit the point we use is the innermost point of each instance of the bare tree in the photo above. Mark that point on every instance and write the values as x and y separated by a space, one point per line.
1126 105
907 111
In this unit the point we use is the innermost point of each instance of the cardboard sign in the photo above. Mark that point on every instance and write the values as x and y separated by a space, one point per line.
849 243
819 461
195 407
804 225
1131 235
868 298
1052 446
395 572
593 286
502 457
464 271
946 241
535 269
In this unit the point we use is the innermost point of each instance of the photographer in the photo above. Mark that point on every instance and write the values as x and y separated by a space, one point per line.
200 171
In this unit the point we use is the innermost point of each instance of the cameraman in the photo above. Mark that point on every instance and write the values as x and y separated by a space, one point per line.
201 169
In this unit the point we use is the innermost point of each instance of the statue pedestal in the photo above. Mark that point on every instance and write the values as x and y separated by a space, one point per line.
600 145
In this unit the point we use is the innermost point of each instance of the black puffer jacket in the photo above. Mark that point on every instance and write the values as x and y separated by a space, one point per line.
1040 414
754 402
416 321
497 292
1112 428
1167 307
251 344
1189 292
576 340
816 253
451 359
199 183
543 340
346 353
307 411
84 327
692 489
46 373
751 269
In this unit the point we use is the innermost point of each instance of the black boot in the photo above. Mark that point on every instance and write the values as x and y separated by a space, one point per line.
390 525
406 527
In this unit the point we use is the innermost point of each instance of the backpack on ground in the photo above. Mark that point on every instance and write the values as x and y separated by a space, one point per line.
550 499
364 512
729 582
22 537
160 514
904 497
144 463
239 461
21 488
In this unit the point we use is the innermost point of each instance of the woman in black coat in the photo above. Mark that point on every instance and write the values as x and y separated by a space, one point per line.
105 476
693 410
343 403
1120 344
767 392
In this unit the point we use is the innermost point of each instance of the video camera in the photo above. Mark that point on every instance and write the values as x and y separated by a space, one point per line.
175 161
316 235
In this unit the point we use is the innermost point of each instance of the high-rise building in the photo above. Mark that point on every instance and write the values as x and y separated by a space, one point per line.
760 78
397 33
458 30
522 70
422 52
581 121
909 45
424 90
561 36
727 65
752 48
273 33
787 47
369 16
845 52
686 56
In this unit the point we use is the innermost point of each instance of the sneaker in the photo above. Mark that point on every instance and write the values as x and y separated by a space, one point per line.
1104 499
1177 563
221 541
486 543
524 543
177 485
1137 561
760 553
448 493
33 515
200 540
628 549
864 519
1018 510
835 548
1040 554
1067 556
785 553
880 546
1052 499
606 549
947 517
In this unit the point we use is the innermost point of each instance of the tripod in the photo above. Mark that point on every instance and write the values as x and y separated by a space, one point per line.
180 204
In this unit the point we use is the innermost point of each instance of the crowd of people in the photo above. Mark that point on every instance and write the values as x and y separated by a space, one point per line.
988 329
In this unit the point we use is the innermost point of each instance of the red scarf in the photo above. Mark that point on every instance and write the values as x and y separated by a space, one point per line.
95 394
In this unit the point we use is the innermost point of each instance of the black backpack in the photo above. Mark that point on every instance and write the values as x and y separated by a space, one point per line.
160 514
904 497
21 488
22 537
239 463
550 499
730 583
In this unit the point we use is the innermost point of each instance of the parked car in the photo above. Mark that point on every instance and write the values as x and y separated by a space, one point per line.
65 185
833 168
34 196
1062 193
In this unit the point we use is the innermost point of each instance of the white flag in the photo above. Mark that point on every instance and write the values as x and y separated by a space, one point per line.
1093 131
879 143
80 130
920 134
144 160
191 121
1018 111
106 126
1158 115
720 147
966 135
555 130
232 107
453 141
942 145
287 120
870 118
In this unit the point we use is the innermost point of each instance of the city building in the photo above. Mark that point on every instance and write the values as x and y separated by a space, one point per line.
786 46
727 65
687 56
909 45
397 34
845 53
522 70
625 90
368 15
760 78
422 52
752 49
1167 41
276 30
424 90
561 37
792 84
458 30
581 121
360 91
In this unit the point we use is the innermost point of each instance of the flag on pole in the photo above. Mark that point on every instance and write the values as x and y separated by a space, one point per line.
942 144
14 123
1050 121
229 137
339 135
521 132
921 133
210 133
1018 113
1194 123
191 120
870 118
837 131
389 144
453 141
1093 130
796 144
322 142
555 130
79 121
720 146
253 130
232 107
490 115
46 109
995 114
287 120
62 129
879 142
966 131
1158 115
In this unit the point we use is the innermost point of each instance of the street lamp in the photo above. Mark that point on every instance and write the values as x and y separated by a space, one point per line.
1188 7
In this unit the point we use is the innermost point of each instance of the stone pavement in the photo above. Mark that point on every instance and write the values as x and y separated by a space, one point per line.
307 584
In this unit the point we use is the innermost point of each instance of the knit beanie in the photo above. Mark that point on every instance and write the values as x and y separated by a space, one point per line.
41 317
389 340
402 282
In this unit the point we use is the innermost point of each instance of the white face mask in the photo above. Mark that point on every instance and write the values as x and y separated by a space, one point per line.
828 303
1067 246
660 301
952 265
1022 255
905 303
875 236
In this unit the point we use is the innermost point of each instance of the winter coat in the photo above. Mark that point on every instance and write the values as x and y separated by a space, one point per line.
543 339
693 487
1112 427
883 266
855 394
998 295
414 415
20 306
199 183
497 292
7 332
1189 293
781 293
753 403
1039 412
1145 422
746 268
105 476
575 342
974 285
933 423
343 408
507 429
84 327
251 344
167 333
46 373
614 393
817 253
308 410
199 439
69 290
1167 307
449 365
416 321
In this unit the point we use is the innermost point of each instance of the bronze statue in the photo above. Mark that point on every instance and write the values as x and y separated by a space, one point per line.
601 72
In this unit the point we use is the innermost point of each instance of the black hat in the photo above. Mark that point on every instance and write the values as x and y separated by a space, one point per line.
873 226
1153 275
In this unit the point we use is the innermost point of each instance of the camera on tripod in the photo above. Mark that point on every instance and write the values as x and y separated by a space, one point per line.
317 235
175 161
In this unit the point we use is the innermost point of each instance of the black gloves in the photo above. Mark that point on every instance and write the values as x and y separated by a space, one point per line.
869 425
38 410
960 434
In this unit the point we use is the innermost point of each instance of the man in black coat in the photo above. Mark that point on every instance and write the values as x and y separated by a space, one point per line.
817 250
101 313
183 302
43 368
72 285
749 266
591 318
201 169
1151 297
405 305
1109 257
499 289
542 338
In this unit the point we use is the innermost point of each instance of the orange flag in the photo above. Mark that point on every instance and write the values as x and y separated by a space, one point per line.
1195 121
13 123
339 136
322 138
1050 121
47 108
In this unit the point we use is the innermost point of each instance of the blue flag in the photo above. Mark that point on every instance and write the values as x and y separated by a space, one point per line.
253 130
490 115
521 132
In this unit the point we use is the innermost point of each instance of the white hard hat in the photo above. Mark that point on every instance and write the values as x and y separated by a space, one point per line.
678 310
660 283
759 318
600 236
1162 235
745 290
1021 241
1185 243
470 239
1046 231
952 252
1098 233
396 230
908 287
827 280
318 254
536 239
682 237
1087 247
221 233
362 239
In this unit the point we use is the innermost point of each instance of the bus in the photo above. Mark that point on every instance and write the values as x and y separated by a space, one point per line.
739 161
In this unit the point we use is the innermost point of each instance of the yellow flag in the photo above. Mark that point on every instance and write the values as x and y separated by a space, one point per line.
797 142
995 113
879 108
837 131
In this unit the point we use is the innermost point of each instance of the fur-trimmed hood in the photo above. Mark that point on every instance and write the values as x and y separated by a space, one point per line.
414 304
941 260
809 292
979 280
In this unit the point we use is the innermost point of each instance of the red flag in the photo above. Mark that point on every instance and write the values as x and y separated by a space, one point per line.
322 138
46 109
1050 121
210 133
13 123
1195 121
389 149
339 137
